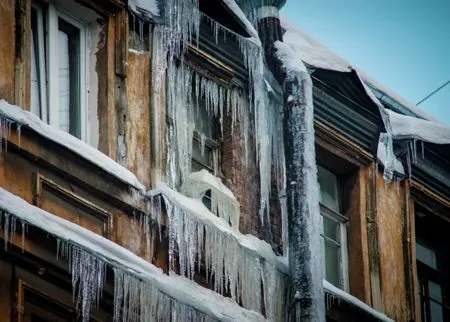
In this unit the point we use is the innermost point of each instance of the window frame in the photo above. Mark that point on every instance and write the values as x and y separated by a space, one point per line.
341 220
49 15
41 62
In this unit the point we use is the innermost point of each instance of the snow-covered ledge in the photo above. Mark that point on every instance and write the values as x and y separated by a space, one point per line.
340 295
155 291
238 262
14 114
223 202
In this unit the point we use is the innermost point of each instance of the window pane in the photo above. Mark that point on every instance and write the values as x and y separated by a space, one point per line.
436 312
426 255
332 263
35 106
435 291
331 228
64 81
69 78
201 160
328 184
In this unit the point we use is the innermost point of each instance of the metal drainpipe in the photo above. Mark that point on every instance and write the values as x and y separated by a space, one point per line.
307 296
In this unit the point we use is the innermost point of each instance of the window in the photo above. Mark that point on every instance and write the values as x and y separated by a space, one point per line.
334 235
58 69
433 266
204 146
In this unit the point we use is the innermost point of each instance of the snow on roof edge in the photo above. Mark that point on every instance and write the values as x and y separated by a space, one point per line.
318 55
353 300
179 288
233 6
84 150
147 9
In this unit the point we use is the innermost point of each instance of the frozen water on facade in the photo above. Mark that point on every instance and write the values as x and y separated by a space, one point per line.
305 254
223 202
235 264
87 251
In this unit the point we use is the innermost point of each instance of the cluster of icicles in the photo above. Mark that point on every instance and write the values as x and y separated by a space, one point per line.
186 88
233 269
134 299
230 267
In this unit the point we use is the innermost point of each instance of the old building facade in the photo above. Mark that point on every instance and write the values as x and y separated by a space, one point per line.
146 171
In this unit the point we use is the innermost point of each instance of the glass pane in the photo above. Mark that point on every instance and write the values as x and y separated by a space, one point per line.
436 312
426 255
331 229
204 120
199 160
69 78
435 291
328 184
332 263
35 106
64 81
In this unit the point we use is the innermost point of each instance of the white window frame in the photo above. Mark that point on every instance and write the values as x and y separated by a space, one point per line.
343 252
335 216
50 107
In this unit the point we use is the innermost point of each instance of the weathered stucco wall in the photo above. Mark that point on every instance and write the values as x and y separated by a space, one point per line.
390 217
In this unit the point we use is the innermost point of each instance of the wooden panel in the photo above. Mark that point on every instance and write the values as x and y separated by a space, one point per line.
106 90
359 277
121 42
23 54
52 197
390 217
373 237
7 49
5 290
138 121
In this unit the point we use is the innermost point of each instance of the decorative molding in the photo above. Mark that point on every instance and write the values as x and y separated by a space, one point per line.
42 183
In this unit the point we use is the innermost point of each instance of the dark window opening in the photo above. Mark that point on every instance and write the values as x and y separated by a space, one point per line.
433 265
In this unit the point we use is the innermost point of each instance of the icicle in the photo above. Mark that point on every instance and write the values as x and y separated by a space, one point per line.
135 300
233 269
24 225
202 143
88 274
6 228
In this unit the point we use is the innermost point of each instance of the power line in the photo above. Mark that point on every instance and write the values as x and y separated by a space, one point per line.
434 92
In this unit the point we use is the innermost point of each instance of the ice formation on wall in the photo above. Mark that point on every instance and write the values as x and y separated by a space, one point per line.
139 286
181 27
223 201
305 251
242 266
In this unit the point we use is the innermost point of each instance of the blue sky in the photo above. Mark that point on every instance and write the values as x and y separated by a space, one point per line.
402 44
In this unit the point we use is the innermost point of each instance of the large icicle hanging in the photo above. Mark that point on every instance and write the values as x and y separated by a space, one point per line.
182 19
233 268
135 300
88 275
